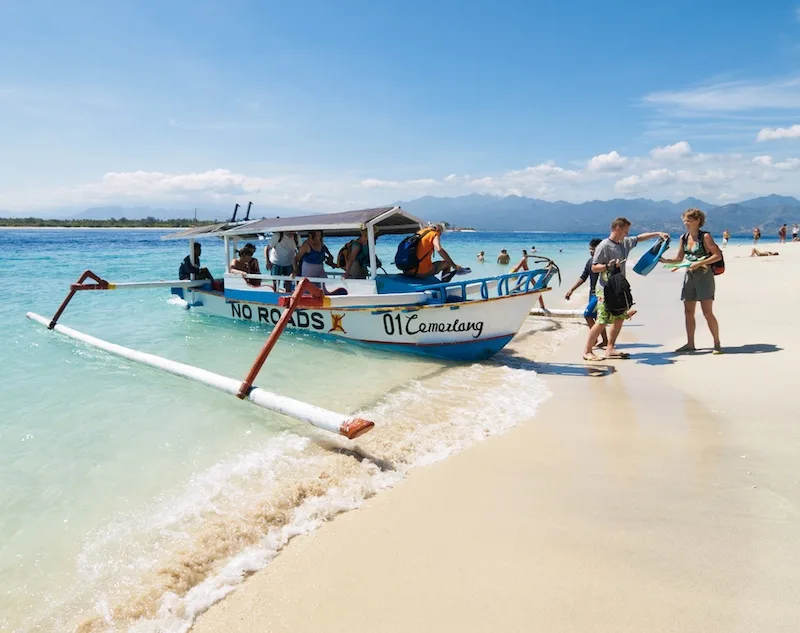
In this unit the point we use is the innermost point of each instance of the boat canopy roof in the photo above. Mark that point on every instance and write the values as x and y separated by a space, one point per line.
388 221
208 230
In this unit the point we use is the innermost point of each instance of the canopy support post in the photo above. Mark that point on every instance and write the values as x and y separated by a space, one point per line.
291 303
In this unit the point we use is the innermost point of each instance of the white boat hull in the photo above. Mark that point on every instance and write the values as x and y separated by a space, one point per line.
468 330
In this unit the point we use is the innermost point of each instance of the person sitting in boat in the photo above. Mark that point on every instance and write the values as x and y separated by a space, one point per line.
429 242
279 254
246 264
188 269
312 256
356 265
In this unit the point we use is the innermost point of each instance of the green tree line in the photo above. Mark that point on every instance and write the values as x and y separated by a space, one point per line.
110 223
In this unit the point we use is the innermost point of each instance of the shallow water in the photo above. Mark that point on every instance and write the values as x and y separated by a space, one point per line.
133 499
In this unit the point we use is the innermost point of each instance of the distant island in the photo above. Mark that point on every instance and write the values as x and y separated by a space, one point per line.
473 212
111 223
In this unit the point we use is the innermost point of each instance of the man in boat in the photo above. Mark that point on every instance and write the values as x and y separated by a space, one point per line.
430 241
188 269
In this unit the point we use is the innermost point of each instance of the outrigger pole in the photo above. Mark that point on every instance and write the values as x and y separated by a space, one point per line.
349 427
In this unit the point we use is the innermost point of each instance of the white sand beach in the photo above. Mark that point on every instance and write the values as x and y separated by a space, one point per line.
658 493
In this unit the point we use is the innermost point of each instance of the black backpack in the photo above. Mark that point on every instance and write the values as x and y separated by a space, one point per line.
406 257
617 294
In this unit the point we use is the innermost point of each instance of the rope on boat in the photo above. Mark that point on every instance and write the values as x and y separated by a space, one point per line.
349 427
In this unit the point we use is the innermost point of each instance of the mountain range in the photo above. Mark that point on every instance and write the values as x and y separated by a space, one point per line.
518 213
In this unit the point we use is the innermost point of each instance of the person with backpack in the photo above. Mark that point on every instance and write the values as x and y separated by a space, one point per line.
353 257
699 248
614 298
415 254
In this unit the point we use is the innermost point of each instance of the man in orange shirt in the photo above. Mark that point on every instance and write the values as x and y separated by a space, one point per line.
429 242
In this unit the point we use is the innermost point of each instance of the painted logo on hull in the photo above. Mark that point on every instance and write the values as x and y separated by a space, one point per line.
336 323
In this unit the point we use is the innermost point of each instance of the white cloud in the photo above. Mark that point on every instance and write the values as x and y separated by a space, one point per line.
669 153
150 184
727 196
776 133
790 164
422 183
732 96
652 178
764 161
530 181
607 162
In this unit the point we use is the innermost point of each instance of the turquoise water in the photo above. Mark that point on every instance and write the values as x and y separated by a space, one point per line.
132 499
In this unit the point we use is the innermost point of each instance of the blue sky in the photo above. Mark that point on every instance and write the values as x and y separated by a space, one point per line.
329 105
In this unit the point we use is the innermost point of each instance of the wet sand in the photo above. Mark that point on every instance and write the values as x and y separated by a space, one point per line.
658 493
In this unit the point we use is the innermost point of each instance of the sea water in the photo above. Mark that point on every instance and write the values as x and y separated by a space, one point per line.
131 499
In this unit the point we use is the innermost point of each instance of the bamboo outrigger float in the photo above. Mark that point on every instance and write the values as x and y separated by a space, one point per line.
456 320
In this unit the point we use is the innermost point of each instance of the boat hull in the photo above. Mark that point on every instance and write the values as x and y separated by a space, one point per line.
468 330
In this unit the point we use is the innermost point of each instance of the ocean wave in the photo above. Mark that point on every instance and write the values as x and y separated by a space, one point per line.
156 570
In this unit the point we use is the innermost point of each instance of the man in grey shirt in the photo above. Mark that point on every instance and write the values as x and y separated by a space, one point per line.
611 253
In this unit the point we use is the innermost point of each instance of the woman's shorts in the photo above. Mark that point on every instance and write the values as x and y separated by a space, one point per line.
698 285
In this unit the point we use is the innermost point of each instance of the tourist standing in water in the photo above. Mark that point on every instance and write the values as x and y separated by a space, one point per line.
699 248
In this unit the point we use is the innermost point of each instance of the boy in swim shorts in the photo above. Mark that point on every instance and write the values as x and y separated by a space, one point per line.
590 313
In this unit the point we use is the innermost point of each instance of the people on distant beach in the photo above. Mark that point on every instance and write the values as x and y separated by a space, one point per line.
757 253
187 268
246 264
312 256
796 232
503 258
431 241
357 264
699 248
726 236
523 265
481 256
279 255
590 313
756 235
782 234
610 256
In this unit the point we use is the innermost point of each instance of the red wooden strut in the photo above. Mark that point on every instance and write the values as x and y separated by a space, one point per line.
312 299
101 284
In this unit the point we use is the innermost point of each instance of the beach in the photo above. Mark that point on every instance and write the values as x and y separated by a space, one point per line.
658 493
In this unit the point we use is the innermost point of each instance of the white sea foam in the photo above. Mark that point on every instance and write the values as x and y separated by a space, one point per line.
156 569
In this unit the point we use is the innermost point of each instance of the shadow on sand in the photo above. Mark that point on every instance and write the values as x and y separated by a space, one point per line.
670 357
582 370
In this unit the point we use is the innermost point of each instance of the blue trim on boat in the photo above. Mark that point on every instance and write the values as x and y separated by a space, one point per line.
466 351
254 296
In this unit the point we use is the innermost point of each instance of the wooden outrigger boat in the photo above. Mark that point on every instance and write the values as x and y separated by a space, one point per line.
457 320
